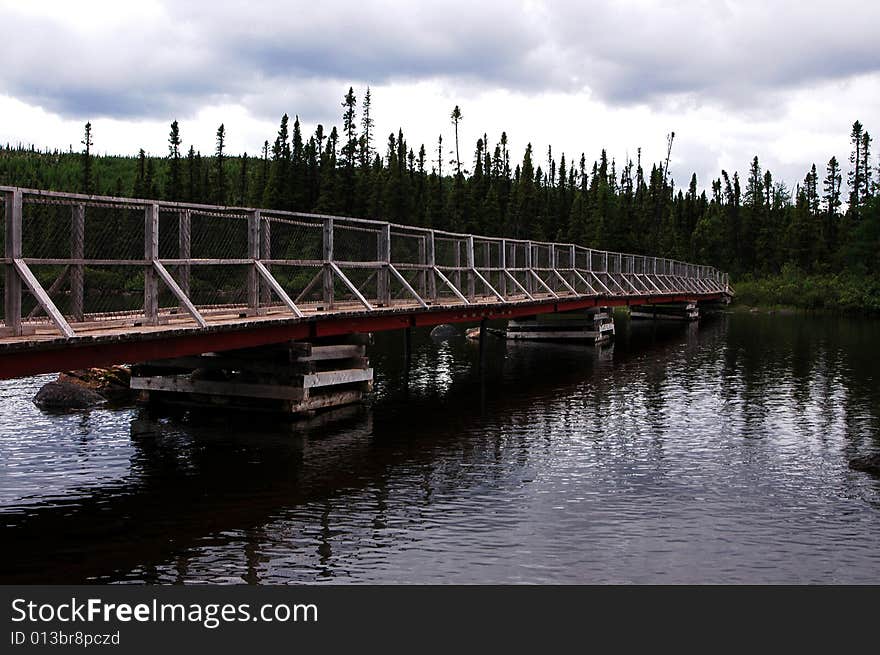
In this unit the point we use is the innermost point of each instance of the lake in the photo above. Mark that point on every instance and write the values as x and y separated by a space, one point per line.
683 453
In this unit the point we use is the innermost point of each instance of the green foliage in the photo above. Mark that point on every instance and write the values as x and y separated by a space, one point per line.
847 291
801 247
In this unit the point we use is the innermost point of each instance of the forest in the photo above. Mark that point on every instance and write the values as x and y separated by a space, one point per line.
816 245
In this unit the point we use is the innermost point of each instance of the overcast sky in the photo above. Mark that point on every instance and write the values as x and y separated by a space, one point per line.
783 80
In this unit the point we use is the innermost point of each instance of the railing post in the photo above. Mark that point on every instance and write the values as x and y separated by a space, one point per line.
471 291
431 261
423 276
77 254
253 246
528 263
184 249
457 262
151 254
503 263
383 256
328 257
265 253
487 253
13 251
572 264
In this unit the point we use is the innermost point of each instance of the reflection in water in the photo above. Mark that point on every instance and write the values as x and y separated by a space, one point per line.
682 453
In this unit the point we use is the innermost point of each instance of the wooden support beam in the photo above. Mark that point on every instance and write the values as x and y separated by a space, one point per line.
383 256
542 283
338 351
253 253
334 378
184 249
406 285
518 285
565 282
503 264
42 297
183 384
584 281
431 262
265 253
279 291
423 274
328 263
319 276
179 294
488 286
77 252
151 254
528 264
51 291
351 287
469 253
601 284
12 243
451 286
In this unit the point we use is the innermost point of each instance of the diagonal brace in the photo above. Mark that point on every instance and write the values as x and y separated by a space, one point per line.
488 286
43 298
406 285
542 283
179 294
277 288
351 287
451 286
518 285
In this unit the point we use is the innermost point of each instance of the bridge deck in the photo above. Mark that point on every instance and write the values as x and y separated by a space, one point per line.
89 280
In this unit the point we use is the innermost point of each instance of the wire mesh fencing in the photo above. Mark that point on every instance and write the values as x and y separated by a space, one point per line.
83 261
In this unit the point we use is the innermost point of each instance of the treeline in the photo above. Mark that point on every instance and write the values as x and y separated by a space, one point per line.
753 226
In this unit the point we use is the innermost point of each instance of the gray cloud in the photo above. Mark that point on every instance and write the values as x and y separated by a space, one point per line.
176 60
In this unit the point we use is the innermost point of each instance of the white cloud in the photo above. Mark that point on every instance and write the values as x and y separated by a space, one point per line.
782 80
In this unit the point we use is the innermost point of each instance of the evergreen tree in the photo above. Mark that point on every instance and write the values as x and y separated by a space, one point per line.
349 150
856 177
220 190
173 184
831 196
276 195
87 184
243 180
139 188
367 125
456 119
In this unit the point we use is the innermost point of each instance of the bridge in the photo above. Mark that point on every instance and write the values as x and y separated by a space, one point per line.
93 280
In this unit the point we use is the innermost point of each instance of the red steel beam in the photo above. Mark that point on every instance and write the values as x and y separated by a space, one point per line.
49 357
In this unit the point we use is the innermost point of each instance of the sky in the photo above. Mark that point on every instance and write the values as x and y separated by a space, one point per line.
781 80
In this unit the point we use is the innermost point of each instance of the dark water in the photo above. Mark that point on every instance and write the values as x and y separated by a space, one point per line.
716 453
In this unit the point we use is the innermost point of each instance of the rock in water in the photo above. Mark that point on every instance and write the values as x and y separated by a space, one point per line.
66 395
444 331
868 464
112 383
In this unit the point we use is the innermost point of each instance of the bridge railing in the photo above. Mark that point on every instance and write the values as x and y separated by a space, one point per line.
78 262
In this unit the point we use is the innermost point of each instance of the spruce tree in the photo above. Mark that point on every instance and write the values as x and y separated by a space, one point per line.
831 197
173 190
367 124
456 119
856 177
87 182
220 188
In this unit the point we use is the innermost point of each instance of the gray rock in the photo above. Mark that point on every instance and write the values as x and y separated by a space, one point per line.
66 395
445 331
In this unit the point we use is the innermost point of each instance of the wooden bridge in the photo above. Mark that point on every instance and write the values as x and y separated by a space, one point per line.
90 280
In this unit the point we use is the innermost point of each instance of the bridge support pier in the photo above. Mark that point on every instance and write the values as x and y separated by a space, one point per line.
287 378
591 325
682 311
